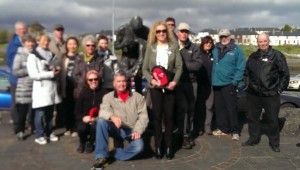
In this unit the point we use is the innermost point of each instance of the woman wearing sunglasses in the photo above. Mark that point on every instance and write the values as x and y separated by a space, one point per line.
88 61
86 111
162 50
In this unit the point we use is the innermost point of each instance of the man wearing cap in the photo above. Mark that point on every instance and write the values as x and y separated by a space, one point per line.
186 92
57 46
228 69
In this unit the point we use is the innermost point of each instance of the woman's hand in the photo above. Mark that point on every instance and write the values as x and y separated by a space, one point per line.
86 119
154 83
171 85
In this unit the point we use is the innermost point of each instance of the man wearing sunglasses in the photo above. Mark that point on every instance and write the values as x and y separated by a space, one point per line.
228 69
186 92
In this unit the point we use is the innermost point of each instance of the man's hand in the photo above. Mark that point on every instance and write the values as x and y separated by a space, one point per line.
154 83
86 119
116 120
135 136
171 85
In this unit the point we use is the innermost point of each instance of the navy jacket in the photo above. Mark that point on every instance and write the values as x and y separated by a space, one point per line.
11 52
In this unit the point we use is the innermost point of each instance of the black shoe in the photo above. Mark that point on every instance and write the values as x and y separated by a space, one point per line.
298 144
158 154
100 163
275 148
186 143
249 143
80 148
169 154
89 147
192 142
281 122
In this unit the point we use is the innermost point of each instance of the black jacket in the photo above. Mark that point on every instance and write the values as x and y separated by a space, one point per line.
266 73
192 62
88 98
204 75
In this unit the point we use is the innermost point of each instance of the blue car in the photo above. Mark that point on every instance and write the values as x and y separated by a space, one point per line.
5 97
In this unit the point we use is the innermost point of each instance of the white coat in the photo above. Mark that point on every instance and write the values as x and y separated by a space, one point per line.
44 90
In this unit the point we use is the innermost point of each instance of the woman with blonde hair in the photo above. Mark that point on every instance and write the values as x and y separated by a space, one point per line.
163 51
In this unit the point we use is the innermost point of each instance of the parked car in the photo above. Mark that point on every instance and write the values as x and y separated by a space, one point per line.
288 99
294 83
5 96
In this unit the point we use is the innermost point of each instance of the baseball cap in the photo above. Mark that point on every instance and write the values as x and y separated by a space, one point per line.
183 26
224 32
58 27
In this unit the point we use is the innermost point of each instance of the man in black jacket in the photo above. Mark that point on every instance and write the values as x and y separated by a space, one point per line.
186 91
267 75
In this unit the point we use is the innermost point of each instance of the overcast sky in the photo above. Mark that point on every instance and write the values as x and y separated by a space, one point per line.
79 16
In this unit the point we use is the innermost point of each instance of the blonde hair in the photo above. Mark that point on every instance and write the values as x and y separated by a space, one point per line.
152 34
39 36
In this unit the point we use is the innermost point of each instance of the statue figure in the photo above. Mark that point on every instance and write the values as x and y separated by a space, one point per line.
132 39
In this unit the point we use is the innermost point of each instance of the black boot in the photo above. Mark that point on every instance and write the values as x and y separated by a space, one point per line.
169 154
158 154
80 148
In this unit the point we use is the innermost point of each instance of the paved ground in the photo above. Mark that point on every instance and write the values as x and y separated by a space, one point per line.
210 152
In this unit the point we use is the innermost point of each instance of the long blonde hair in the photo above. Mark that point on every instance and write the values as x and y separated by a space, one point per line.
152 34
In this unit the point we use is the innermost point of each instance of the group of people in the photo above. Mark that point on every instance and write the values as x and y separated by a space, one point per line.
93 92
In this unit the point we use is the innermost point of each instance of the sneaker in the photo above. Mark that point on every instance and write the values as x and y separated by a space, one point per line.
20 136
235 137
53 138
218 133
100 164
67 133
74 134
41 141
186 143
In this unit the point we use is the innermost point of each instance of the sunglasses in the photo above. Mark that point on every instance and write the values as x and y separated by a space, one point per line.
161 31
90 45
223 36
184 31
172 25
59 29
94 79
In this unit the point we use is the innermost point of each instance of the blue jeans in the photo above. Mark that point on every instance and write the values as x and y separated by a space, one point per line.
104 130
42 127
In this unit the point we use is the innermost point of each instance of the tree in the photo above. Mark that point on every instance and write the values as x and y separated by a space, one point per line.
4 34
36 27
287 28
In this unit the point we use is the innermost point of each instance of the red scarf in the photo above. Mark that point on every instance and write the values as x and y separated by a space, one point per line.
123 95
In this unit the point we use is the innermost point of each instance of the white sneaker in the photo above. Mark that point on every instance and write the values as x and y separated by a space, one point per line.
67 133
53 138
235 137
41 141
218 132
74 134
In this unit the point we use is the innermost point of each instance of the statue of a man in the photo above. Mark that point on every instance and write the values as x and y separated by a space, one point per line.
132 39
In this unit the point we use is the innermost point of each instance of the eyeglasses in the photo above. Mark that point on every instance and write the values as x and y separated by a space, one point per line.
184 31
161 31
94 79
90 45
223 36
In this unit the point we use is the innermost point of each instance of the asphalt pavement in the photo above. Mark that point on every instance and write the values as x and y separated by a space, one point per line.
210 152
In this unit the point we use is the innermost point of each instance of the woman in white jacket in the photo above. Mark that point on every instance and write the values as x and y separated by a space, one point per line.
44 92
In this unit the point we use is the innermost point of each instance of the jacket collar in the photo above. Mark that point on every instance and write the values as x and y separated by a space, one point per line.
116 94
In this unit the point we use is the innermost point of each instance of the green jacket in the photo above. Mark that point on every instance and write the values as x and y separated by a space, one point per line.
174 62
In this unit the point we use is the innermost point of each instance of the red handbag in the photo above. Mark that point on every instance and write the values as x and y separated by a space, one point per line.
93 112
162 75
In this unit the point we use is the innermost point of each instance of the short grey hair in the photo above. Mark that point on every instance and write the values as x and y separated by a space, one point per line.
88 38
20 23
120 73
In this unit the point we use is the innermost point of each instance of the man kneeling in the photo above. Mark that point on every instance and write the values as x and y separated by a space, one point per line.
122 114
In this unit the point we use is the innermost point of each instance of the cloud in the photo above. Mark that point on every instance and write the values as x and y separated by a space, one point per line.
80 16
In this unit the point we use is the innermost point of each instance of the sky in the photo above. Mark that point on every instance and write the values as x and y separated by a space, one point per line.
81 16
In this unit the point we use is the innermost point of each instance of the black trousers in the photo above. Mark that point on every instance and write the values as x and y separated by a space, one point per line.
271 105
185 98
86 132
13 109
162 107
226 108
69 117
22 110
